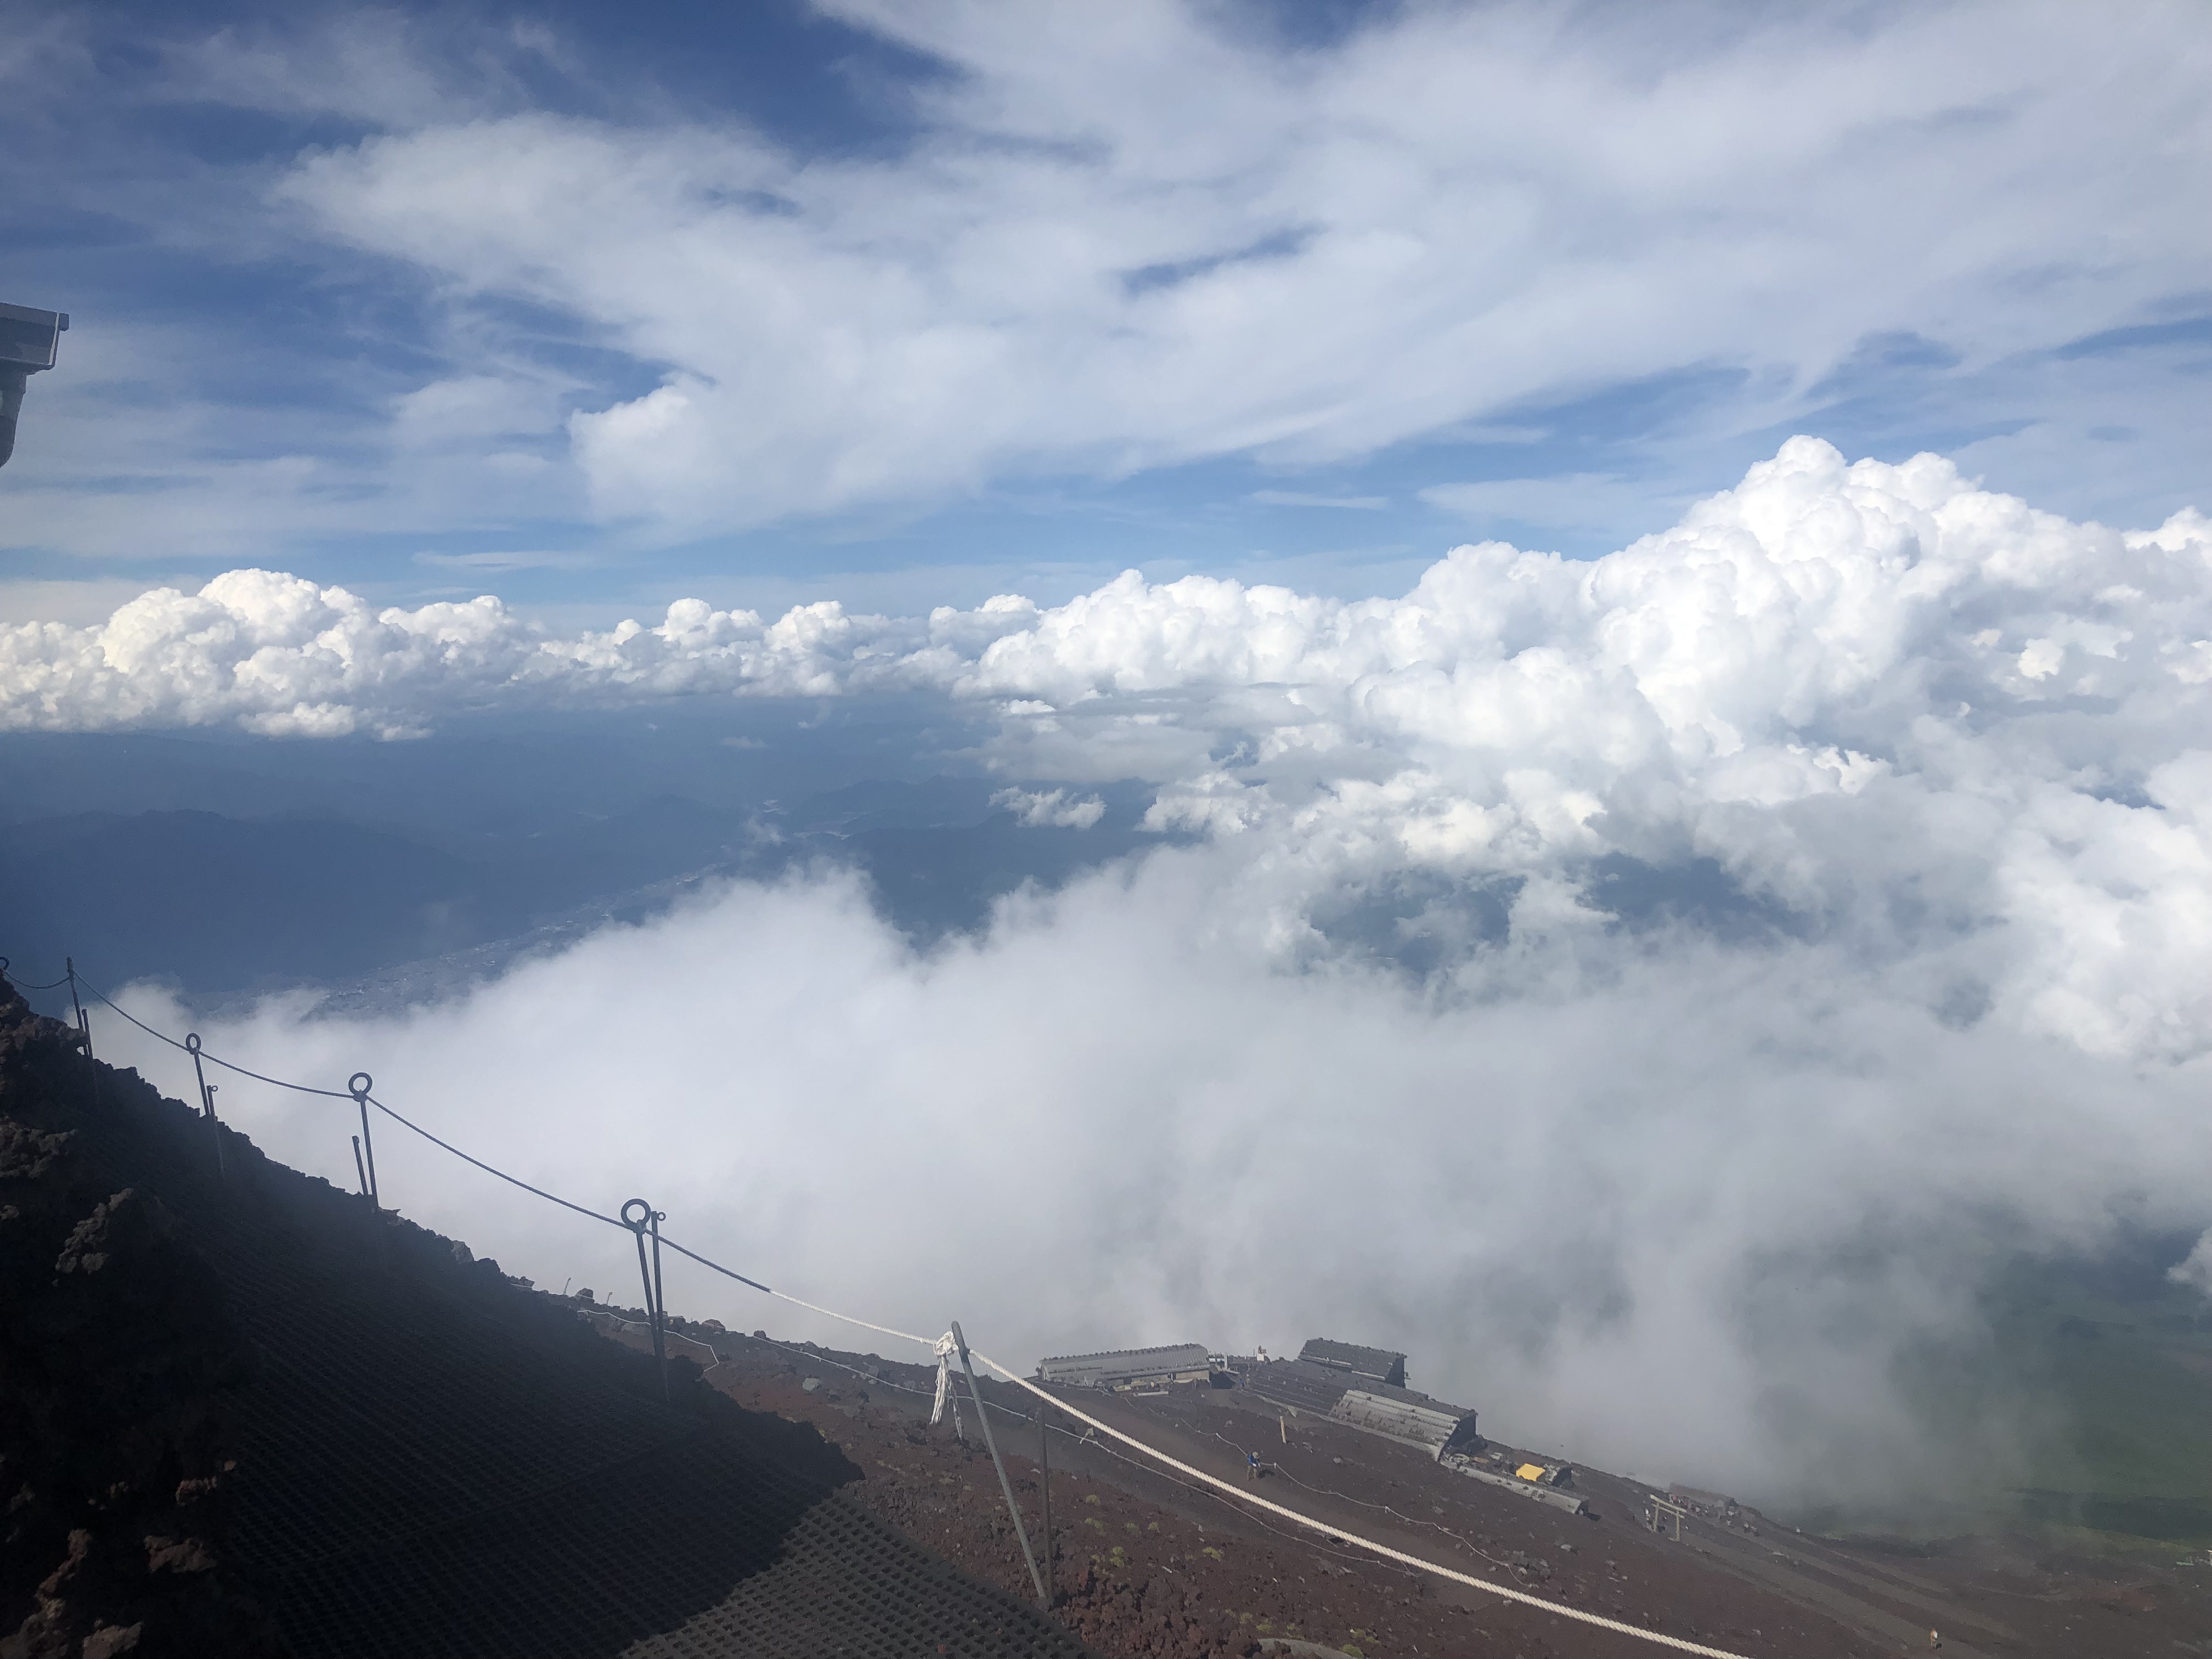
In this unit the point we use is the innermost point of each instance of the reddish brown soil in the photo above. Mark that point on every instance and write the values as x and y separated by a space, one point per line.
1147 1563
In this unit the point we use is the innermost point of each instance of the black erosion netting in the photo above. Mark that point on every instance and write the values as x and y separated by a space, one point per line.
431 1460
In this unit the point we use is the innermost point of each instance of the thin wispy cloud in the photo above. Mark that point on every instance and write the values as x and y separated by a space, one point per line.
1582 501
891 329
495 562
1293 498
652 320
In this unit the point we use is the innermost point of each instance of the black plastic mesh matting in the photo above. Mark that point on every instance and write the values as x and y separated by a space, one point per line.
435 1463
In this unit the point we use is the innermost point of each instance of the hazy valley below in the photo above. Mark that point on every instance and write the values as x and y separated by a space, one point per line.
468 853
222 883
1731 1005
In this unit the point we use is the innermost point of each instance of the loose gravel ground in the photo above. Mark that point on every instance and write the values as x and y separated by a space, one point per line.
1150 1564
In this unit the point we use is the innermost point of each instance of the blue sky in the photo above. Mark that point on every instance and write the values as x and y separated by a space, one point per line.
909 304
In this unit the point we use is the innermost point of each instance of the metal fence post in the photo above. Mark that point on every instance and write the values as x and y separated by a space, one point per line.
207 1098
649 1219
1044 1493
983 1416
358 1086
83 1023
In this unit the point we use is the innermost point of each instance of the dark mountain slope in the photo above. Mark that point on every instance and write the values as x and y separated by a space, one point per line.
337 1433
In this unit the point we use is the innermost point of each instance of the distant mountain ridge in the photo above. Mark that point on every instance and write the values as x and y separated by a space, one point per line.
218 904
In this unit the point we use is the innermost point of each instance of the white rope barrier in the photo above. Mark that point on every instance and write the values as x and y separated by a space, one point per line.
929 1342
1341 1536
934 1344
1681 1645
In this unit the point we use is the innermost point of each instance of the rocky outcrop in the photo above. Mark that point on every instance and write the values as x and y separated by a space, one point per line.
117 1356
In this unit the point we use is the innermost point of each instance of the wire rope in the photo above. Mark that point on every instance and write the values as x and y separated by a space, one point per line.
26 985
405 1123
1680 1643
729 1273
160 1036
278 1082
929 1342
513 1181
212 1058
1334 1534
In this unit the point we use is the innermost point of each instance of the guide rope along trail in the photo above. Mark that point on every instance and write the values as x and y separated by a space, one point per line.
601 1317
1231 1488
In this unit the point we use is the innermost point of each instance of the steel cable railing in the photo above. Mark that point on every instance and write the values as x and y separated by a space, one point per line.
26 985
1400 1559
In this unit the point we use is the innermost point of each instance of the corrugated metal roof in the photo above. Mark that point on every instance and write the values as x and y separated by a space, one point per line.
1125 1365
1178 1349
1401 1419
1293 1383
1380 1364
1378 1408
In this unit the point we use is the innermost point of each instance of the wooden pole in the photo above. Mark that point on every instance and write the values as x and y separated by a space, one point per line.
983 1416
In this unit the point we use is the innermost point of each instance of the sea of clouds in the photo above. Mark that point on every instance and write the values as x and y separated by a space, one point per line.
1654 991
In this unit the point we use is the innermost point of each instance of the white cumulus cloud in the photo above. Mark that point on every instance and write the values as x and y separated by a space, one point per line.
1054 809
1689 1220
1689 970
2195 1270
1881 704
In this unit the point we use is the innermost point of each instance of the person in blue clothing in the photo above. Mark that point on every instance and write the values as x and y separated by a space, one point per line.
1251 1466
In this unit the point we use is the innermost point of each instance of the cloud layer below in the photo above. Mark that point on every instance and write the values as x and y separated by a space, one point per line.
1652 991
1876 703
1702 1220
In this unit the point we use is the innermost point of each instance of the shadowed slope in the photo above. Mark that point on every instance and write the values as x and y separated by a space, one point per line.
430 1458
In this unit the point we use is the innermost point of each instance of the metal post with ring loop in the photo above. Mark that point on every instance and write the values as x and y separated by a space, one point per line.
207 1098
358 1086
649 1219
83 1025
